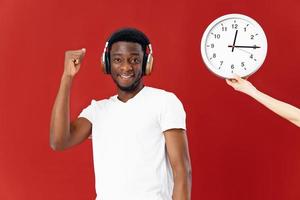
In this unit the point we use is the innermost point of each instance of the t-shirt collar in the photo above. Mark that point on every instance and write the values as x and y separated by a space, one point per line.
115 97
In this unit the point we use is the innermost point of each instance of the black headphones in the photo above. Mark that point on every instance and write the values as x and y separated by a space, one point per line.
146 66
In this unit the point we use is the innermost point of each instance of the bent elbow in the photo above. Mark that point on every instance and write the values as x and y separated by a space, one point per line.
56 147
56 144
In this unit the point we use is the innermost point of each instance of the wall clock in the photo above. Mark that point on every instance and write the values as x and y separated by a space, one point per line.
234 44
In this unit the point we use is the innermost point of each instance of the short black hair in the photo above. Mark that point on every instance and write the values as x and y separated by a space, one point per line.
129 35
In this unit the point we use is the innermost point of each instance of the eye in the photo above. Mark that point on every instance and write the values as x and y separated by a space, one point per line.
116 60
135 60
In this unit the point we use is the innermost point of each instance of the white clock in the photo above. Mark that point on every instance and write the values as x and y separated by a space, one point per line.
234 44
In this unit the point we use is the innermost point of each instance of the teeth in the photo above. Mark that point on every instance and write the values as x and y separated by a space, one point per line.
125 76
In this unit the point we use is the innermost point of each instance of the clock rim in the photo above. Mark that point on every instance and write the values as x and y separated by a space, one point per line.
215 22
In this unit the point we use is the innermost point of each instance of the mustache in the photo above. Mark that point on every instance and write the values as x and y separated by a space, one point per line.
131 87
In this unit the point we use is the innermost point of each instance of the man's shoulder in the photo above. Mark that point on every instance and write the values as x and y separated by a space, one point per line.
101 102
157 91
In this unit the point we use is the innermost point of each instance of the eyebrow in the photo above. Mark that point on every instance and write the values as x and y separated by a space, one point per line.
119 54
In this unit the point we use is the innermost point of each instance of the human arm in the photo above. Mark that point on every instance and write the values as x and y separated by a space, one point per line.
63 133
178 154
285 110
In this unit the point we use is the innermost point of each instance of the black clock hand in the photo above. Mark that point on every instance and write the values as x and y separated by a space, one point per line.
234 40
237 46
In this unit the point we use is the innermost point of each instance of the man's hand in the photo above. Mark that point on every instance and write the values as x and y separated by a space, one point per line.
73 59
242 85
64 134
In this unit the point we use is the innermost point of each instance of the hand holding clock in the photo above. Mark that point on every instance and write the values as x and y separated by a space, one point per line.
242 85
285 110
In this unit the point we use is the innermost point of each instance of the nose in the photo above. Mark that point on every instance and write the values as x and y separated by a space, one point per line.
126 66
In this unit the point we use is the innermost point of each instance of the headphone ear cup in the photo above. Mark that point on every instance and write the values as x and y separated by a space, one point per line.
148 64
107 63
144 64
105 60
103 63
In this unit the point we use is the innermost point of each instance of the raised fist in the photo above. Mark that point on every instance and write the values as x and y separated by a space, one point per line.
73 59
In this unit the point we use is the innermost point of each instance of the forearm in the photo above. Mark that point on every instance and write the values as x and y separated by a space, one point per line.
283 109
182 185
60 117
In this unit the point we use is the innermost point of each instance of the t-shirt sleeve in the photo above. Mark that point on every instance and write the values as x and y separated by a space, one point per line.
88 112
173 115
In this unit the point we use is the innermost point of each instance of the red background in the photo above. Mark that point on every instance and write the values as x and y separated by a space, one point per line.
239 149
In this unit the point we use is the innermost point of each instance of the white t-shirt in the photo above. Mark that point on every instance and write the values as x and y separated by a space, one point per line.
130 159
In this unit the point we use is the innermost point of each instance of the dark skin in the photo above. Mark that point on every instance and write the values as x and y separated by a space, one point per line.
126 68
126 71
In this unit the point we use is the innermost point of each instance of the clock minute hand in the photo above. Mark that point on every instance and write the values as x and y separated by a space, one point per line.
238 46
234 40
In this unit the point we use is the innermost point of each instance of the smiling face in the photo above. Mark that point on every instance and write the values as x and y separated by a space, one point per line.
126 60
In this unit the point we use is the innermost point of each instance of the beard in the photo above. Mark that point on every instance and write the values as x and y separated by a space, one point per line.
132 87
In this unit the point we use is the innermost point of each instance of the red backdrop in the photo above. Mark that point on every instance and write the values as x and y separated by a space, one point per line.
239 149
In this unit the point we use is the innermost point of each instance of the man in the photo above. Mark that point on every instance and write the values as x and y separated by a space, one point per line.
285 110
140 147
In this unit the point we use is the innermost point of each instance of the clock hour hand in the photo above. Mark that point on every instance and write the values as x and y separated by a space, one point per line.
234 40
239 46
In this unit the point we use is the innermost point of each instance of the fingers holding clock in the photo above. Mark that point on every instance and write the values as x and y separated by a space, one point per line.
241 85
233 82
230 82
238 78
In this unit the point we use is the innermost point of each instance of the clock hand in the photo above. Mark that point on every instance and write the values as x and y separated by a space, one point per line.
237 46
244 50
234 40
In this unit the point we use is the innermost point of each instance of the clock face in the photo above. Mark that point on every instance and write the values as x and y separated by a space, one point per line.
234 44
